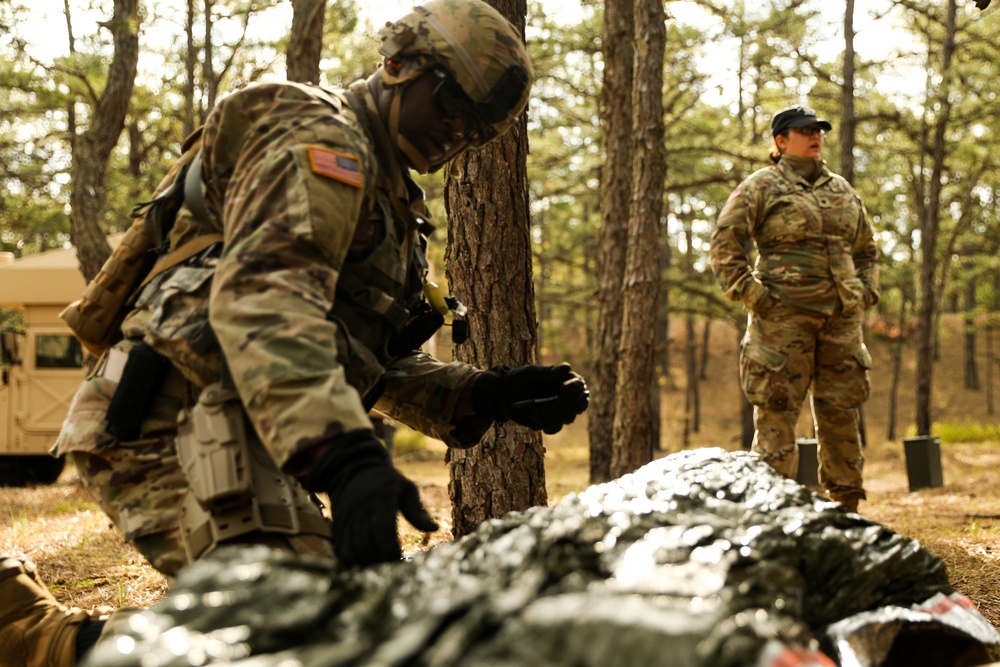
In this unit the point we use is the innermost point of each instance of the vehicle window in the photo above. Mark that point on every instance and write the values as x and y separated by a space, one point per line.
56 351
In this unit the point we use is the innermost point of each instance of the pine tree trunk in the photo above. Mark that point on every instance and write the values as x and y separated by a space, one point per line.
896 351
691 341
71 104
616 177
990 407
746 409
209 81
305 42
94 146
190 68
488 264
661 372
848 123
693 397
897 363
969 319
663 317
634 427
705 334
929 227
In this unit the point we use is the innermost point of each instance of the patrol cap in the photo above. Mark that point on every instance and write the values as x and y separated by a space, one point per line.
793 117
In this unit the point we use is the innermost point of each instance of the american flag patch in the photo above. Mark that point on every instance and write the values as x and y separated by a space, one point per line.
340 166
735 193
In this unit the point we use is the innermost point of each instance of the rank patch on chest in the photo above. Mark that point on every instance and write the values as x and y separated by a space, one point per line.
339 166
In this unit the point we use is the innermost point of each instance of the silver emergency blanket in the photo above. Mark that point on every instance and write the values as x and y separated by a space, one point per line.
705 558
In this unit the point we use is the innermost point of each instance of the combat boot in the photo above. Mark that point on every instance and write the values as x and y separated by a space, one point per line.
849 500
35 630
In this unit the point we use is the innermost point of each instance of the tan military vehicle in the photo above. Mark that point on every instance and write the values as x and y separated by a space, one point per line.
42 366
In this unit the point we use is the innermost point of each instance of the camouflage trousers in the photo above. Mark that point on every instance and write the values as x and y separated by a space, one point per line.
141 486
786 354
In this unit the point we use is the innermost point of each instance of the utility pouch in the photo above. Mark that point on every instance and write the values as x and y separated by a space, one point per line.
212 448
459 325
427 317
178 325
96 317
417 331
141 380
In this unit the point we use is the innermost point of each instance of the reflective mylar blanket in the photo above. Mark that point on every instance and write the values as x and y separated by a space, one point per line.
703 558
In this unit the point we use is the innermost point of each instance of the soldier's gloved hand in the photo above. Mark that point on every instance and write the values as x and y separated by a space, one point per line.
544 398
366 492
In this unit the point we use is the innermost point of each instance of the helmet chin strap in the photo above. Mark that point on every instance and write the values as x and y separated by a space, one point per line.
413 156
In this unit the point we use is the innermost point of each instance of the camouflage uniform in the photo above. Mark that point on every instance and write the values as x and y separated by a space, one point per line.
814 276
312 207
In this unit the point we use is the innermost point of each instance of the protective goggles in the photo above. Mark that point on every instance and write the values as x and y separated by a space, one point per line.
452 100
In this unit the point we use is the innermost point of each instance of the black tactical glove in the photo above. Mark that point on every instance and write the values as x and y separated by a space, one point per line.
544 398
366 492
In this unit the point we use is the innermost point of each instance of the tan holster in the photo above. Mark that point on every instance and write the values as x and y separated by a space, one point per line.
234 484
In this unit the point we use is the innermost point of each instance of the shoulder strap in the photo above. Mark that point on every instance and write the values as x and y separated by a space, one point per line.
194 192
359 109
181 254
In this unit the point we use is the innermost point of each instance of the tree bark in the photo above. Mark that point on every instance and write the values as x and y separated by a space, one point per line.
488 265
616 119
747 427
210 82
663 316
969 320
135 151
71 104
305 43
634 413
94 146
692 399
692 396
848 125
706 333
190 69
929 226
990 407
661 362
541 298
896 351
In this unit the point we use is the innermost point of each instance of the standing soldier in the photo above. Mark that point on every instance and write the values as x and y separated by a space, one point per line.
814 276
289 299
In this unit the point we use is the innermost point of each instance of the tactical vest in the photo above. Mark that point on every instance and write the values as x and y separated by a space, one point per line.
380 288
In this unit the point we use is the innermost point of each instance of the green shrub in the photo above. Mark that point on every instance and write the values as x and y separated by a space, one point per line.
407 441
964 432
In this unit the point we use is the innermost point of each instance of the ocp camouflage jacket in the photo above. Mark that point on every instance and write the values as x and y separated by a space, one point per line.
814 242
322 261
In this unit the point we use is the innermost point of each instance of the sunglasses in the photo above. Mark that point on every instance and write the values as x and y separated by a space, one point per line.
452 101
811 131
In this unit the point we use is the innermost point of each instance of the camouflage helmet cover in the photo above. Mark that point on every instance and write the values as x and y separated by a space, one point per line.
479 47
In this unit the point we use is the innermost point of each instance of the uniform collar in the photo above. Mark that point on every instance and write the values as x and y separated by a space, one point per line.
394 175
811 170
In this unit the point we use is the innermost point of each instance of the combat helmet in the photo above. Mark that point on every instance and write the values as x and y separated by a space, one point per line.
481 51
